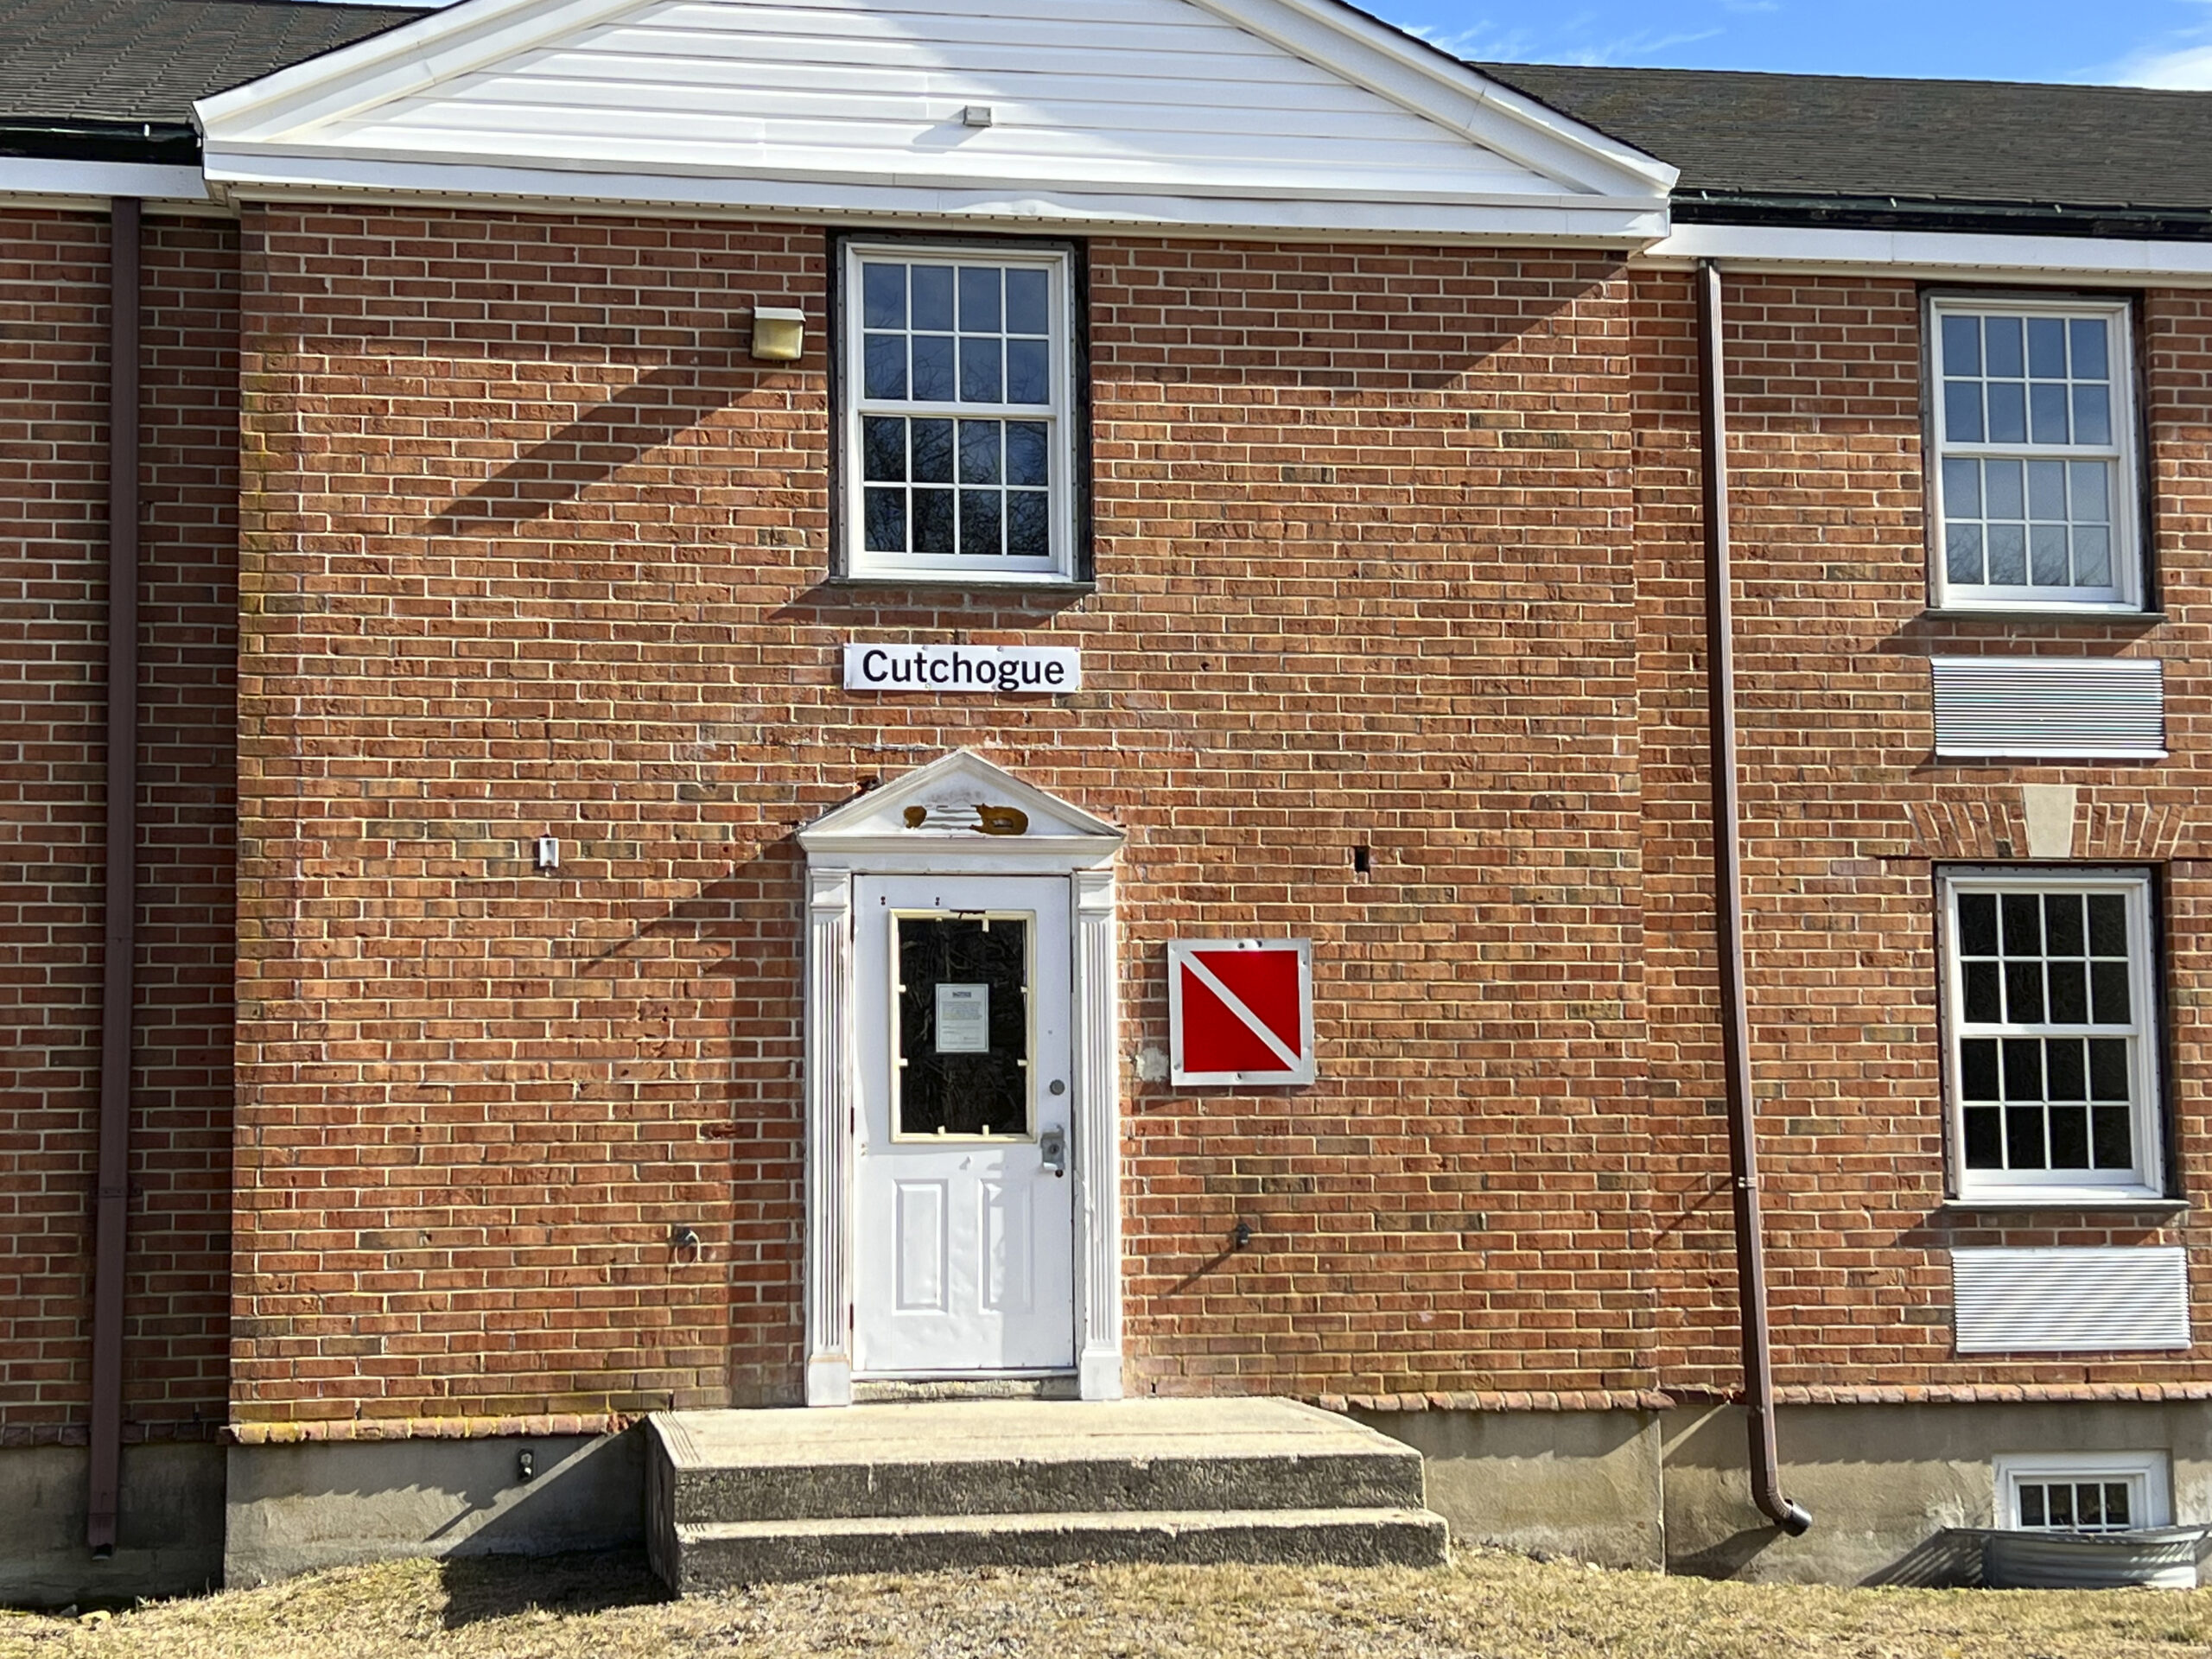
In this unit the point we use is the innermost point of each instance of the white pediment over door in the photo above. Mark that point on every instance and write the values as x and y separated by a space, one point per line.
959 811
1287 114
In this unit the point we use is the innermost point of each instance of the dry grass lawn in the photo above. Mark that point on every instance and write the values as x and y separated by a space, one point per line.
1492 1605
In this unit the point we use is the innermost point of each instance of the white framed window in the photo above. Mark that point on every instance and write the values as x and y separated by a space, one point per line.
959 417
2033 492
2083 1491
2049 1001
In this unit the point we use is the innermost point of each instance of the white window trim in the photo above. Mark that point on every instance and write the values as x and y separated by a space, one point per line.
2057 1188
2127 547
1060 415
2147 1474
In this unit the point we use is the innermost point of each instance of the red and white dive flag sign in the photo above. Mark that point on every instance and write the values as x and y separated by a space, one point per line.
1240 1011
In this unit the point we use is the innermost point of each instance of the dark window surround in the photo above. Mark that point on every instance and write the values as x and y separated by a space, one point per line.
1083 569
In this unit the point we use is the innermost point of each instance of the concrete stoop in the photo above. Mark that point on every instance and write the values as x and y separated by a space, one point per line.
746 1497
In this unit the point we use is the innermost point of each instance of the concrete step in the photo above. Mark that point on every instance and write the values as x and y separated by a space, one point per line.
739 1496
721 1554
996 1457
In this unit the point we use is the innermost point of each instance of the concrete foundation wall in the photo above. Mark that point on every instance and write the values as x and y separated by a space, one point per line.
169 1540
1585 1483
1883 1482
1887 1484
292 1508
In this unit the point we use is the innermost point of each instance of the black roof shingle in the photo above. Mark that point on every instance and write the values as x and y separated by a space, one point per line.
1740 136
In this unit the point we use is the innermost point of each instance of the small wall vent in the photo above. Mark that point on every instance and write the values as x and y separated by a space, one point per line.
2043 1302
2050 707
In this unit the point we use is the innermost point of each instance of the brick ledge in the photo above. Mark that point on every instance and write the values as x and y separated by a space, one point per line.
425 1428
1504 1399
1961 1394
1984 1393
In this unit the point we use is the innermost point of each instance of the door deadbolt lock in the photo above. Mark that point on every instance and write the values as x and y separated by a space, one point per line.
1052 1149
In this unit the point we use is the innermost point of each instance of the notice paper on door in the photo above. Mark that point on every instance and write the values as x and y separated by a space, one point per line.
964 1018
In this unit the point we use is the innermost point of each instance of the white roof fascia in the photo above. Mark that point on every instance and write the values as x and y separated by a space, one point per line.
1584 220
1433 84
1954 255
99 182
278 108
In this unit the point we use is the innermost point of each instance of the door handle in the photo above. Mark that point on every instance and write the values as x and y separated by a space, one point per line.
1052 1149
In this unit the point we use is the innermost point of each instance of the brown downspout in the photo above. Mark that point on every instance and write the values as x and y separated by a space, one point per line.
1728 918
117 1004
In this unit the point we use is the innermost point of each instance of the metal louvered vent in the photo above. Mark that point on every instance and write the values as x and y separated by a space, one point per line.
2069 1300
2070 708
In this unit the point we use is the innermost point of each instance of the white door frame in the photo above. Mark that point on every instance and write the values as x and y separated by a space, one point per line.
960 815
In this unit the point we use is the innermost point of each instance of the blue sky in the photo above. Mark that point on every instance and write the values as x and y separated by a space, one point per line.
2135 42
2147 42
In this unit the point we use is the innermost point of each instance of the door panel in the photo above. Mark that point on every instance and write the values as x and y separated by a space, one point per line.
921 1243
965 1236
1007 1230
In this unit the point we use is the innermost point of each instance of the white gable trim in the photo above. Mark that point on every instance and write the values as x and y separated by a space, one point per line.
414 56
1420 78
1517 219
301 129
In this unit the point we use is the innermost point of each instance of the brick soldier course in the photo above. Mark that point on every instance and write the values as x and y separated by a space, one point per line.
468 523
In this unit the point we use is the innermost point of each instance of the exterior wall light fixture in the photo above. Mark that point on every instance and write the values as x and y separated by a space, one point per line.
778 333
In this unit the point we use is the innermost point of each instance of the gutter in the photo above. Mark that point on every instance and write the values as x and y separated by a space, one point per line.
1728 918
112 1193
2090 221
168 143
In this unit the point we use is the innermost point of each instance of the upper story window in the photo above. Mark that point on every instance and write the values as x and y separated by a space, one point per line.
2049 993
959 419
2034 486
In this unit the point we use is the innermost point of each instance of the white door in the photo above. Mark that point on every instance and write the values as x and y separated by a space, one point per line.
962 1218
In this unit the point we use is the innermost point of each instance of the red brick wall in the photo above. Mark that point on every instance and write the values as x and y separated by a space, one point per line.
1846 812
531 543
52 693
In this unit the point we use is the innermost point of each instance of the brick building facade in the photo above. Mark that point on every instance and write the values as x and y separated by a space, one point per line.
472 514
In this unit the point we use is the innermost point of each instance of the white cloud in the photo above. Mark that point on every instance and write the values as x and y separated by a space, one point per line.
2181 59
1570 41
2188 68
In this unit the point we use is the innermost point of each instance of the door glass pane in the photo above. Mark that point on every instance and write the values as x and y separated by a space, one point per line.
962 1065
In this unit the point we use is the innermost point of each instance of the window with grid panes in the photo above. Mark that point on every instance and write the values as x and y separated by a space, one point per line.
2076 1506
2033 493
2053 1065
959 423
2082 1491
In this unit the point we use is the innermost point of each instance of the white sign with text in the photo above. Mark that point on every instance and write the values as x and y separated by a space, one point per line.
1039 670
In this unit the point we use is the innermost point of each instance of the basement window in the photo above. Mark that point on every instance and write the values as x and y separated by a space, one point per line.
2034 493
2083 1491
958 428
2050 994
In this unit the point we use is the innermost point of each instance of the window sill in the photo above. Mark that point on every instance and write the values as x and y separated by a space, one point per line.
939 580
2074 1200
2044 757
2056 614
